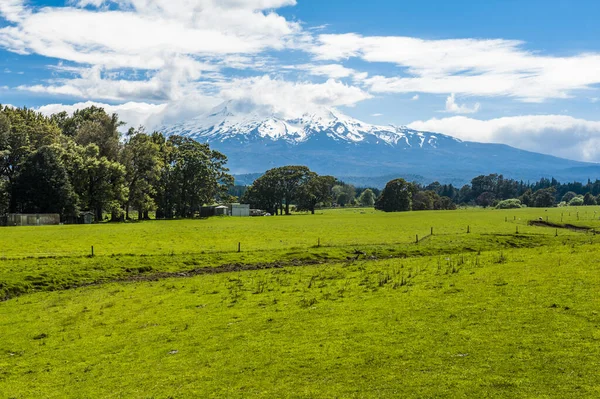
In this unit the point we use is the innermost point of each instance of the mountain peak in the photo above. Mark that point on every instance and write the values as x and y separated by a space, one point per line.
242 121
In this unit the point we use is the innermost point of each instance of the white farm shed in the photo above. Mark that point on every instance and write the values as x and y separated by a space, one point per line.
242 210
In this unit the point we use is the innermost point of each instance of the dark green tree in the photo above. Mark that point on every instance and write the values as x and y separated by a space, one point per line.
43 186
544 198
396 197
143 163
317 189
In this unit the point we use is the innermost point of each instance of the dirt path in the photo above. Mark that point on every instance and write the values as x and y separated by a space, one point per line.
541 223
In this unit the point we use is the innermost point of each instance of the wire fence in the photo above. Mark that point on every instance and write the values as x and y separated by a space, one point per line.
427 237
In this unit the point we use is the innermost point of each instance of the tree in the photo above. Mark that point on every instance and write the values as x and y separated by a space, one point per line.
4 196
317 189
142 161
527 198
396 196
589 199
344 194
544 198
43 186
94 126
486 199
444 204
262 194
577 201
423 200
367 198
569 195
193 175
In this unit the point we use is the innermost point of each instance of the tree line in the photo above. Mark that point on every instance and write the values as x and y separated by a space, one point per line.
487 191
66 164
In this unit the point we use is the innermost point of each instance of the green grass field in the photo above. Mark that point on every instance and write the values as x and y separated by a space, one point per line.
172 310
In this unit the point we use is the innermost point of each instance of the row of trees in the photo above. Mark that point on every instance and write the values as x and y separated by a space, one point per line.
490 190
400 196
279 188
67 164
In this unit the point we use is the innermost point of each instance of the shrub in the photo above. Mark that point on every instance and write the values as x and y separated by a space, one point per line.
577 201
512 203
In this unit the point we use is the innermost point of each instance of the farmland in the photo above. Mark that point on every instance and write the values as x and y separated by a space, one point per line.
344 303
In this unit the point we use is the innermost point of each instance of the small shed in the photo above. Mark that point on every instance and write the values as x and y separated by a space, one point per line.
221 210
86 218
240 210
27 219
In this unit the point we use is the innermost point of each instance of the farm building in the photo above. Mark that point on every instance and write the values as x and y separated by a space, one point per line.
221 210
21 219
241 210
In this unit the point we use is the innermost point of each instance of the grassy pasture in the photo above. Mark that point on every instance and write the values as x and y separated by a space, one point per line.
370 313
57 257
520 324
334 228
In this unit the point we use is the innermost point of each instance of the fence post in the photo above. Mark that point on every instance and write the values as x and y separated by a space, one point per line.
92 251
417 241
432 231
468 229
239 247
517 232
556 233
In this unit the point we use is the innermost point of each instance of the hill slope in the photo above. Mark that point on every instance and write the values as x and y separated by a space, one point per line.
332 143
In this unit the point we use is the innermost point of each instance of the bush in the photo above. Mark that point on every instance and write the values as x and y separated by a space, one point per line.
577 201
513 203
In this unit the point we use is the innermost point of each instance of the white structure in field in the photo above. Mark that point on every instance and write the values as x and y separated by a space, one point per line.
242 210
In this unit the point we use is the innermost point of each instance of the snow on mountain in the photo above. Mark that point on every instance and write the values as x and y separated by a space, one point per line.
226 123
330 142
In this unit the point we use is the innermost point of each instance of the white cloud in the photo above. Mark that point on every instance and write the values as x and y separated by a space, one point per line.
291 99
465 66
377 115
453 107
145 34
167 84
334 71
271 96
134 114
559 135
415 97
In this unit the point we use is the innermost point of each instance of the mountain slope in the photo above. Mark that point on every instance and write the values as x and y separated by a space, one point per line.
332 143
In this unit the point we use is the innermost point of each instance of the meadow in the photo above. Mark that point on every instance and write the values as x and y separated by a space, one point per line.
173 310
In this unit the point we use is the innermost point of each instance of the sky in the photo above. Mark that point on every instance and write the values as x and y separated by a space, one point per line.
520 72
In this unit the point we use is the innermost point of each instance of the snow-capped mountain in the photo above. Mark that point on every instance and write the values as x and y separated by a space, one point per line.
330 142
226 123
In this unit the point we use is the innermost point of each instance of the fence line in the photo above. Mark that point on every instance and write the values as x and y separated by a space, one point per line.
239 247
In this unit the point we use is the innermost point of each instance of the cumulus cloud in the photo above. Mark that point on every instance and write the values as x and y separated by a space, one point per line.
167 84
145 33
260 94
415 97
291 99
453 107
465 66
559 135
333 71
132 113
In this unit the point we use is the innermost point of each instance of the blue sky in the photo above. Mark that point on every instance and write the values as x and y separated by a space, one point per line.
525 73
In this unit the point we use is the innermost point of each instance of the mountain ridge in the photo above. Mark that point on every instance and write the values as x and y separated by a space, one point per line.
330 142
